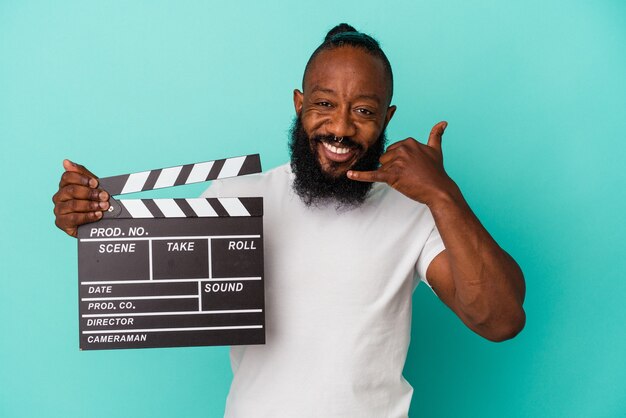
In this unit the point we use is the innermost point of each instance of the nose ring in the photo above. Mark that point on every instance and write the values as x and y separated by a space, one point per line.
339 139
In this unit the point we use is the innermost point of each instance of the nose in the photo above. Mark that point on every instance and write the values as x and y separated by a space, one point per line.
341 124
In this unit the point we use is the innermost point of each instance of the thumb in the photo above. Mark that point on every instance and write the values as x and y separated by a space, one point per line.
434 139
77 168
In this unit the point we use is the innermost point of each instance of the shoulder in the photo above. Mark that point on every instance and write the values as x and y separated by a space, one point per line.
390 207
251 185
386 196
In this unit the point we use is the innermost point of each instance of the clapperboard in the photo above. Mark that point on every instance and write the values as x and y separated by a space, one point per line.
173 272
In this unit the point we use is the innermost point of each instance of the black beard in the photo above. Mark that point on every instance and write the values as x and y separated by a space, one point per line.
316 187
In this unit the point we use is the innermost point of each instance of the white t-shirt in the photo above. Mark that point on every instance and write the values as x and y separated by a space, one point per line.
338 290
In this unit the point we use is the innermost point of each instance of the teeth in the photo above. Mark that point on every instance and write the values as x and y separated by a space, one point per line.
335 149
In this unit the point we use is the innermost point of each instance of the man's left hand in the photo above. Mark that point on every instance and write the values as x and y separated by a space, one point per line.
414 169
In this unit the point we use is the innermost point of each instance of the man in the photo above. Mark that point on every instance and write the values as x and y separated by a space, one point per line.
346 241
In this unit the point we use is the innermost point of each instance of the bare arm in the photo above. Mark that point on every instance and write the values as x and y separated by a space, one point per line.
476 278
78 200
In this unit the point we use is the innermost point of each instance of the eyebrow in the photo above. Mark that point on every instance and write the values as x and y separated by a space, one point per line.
373 97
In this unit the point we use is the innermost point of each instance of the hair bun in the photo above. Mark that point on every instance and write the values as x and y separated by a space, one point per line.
340 28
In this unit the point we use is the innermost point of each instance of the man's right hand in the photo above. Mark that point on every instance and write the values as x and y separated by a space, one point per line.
78 201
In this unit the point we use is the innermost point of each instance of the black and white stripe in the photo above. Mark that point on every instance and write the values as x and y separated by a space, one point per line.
182 174
190 208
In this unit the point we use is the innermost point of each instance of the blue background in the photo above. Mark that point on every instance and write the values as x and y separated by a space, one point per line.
535 96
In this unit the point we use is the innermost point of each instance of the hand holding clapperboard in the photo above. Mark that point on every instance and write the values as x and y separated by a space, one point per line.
173 272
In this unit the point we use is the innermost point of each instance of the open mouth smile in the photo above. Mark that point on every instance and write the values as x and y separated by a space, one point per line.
334 151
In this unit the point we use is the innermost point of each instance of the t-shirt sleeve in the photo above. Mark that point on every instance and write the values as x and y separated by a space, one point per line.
213 190
230 187
432 248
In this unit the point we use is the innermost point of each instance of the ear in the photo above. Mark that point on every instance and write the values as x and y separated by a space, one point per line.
390 111
298 100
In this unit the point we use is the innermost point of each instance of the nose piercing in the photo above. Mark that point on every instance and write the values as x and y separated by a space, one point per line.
339 139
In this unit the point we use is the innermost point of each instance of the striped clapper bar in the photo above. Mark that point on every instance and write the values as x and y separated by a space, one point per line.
173 272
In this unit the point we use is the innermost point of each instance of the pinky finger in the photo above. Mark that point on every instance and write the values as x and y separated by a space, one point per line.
367 176
70 222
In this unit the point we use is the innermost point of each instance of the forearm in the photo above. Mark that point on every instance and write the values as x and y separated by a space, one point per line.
474 276
488 285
